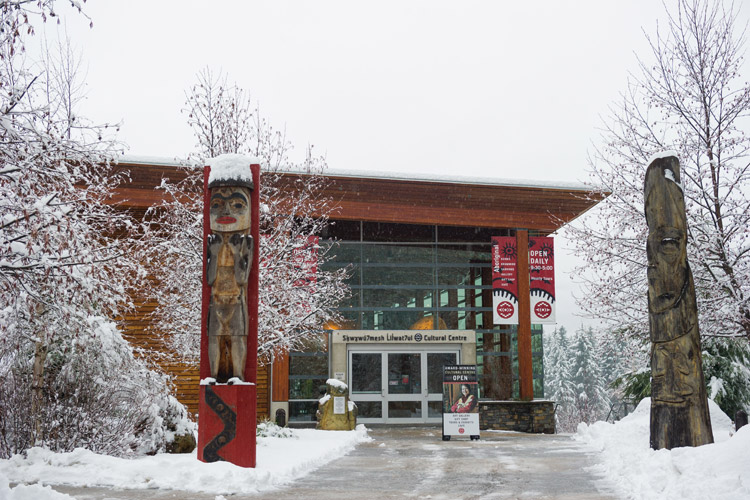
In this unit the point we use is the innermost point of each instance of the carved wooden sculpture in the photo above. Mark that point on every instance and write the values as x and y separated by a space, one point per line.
230 248
679 407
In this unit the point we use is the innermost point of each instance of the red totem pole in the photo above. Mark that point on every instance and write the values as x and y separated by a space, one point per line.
229 316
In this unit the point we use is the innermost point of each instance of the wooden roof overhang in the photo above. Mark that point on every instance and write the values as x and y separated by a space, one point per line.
453 202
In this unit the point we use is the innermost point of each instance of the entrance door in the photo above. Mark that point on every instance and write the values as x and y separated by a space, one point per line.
399 385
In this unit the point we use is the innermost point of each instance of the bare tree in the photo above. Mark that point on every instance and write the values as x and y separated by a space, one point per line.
688 97
295 299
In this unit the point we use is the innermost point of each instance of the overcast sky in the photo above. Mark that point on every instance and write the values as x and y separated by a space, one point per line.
479 88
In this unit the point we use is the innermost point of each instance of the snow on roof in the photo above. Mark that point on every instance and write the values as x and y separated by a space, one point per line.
385 175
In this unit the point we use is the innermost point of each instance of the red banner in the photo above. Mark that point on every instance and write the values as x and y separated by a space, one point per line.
542 279
504 280
505 276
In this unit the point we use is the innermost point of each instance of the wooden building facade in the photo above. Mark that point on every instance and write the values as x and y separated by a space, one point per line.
419 251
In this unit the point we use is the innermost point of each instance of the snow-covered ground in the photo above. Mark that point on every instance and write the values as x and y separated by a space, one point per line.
718 471
279 461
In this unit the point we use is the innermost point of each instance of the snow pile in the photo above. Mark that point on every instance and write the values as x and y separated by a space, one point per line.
716 471
29 492
231 167
334 382
279 461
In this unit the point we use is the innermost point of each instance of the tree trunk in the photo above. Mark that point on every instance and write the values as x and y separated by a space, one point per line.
37 389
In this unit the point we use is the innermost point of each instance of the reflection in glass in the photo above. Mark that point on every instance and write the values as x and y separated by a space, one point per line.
369 409
434 409
435 363
404 373
307 388
366 372
404 409
302 411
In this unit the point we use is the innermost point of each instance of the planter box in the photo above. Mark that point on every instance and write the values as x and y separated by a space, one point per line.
522 416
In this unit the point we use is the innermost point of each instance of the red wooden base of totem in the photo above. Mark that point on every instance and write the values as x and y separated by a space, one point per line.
226 424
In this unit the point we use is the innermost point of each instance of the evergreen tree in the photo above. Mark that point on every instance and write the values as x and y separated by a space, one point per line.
558 379
591 398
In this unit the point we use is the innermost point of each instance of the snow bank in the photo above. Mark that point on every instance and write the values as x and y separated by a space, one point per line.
716 471
280 461
29 492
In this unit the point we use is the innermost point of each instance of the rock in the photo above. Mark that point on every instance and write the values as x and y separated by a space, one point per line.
335 411
182 443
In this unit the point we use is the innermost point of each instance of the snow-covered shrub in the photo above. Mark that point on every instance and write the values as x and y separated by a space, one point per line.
268 428
97 394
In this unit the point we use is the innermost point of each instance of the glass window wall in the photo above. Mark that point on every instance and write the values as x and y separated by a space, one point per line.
429 277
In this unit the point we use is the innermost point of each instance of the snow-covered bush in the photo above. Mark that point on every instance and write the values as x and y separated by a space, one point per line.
96 394
268 428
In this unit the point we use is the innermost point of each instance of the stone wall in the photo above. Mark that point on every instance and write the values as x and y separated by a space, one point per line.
522 416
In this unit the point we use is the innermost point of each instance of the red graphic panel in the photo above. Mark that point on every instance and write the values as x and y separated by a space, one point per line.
542 279
504 280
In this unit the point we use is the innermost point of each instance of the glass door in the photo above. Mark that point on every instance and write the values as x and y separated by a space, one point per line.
404 395
366 387
399 386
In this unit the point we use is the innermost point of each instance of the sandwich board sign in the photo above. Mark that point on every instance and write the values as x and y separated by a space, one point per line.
460 401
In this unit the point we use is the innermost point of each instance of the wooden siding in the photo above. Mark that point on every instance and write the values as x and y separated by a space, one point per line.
280 385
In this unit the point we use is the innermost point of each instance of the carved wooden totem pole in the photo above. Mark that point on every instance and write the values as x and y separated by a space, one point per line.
679 407
229 328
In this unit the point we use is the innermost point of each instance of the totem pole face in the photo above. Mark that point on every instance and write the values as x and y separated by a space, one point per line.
230 209
666 249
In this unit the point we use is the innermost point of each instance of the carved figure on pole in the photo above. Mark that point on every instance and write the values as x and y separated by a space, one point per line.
229 312
679 406
230 249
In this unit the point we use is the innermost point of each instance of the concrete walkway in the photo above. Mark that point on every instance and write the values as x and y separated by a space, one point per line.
413 462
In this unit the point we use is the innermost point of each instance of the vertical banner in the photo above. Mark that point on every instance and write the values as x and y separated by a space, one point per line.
542 276
460 401
504 280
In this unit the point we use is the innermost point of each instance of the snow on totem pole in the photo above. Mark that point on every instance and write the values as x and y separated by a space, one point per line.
679 406
229 319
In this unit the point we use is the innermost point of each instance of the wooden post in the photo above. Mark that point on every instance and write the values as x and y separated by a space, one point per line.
525 368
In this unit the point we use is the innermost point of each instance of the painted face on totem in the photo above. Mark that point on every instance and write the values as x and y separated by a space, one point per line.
230 209
666 247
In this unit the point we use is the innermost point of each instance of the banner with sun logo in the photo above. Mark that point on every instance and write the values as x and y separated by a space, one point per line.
504 280
542 279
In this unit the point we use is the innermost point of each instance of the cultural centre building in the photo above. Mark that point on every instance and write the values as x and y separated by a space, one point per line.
419 250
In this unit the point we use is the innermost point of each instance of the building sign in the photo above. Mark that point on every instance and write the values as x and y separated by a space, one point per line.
339 405
403 337
504 280
542 276
460 401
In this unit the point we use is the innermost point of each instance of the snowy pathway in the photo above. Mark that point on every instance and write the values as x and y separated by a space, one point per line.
413 462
